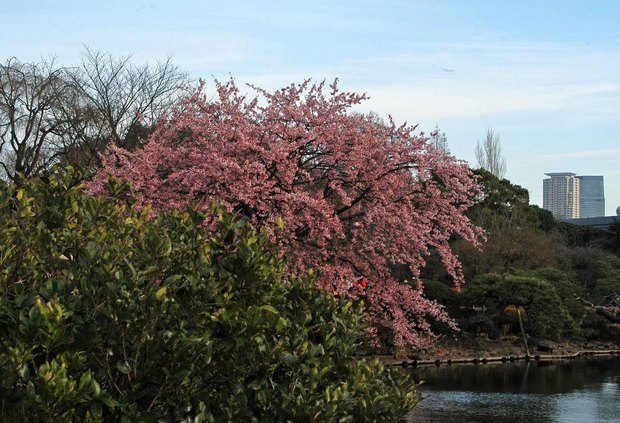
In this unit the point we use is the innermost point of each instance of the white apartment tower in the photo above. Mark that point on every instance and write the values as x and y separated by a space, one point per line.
561 195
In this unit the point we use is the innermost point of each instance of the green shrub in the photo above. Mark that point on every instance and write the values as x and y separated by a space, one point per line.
568 290
546 315
110 314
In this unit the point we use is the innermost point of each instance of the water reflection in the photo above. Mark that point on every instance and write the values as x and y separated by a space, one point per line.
583 390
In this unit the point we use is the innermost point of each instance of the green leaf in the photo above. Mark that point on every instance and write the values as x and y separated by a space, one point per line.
160 294
108 400
24 372
84 381
123 366
96 387
270 309
288 359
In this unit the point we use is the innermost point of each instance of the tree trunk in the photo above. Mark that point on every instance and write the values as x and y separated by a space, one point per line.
610 313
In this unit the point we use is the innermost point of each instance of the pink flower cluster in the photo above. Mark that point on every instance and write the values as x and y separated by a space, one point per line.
358 196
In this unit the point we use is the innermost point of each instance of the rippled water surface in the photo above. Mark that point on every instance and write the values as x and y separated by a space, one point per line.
580 391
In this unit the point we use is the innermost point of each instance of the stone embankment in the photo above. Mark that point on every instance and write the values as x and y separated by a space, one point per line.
475 350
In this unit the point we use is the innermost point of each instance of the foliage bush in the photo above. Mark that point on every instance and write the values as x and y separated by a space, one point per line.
545 312
110 313
607 272
570 294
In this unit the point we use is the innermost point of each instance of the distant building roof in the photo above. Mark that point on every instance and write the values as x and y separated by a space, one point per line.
601 222
552 174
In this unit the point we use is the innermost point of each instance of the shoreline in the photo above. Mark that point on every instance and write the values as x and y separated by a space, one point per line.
413 363
481 350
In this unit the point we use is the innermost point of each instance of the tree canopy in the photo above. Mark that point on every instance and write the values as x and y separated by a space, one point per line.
352 196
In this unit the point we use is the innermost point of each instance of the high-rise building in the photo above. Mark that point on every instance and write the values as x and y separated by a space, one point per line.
591 196
561 195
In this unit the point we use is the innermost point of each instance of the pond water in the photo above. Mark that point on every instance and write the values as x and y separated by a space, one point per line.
581 391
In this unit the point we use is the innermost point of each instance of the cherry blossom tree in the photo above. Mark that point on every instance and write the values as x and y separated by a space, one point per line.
340 192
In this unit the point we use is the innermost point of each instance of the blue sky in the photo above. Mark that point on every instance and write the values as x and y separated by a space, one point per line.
545 75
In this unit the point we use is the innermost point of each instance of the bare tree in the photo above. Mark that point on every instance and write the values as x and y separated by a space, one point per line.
127 97
610 310
32 125
439 140
51 114
489 154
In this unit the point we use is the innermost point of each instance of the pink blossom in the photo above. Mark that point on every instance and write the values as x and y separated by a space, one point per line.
358 196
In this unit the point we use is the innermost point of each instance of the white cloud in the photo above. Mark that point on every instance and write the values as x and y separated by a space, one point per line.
446 100
502 78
